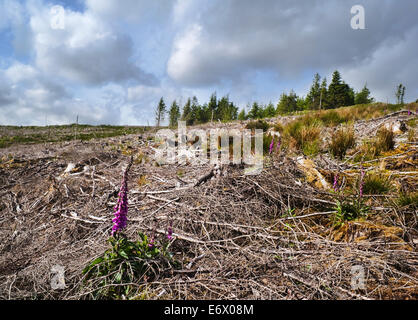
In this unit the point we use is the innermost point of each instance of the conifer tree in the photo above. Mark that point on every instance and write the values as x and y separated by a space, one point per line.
187 113
400 92
363 97
174 114
242 116
160 112
323 97
213 107
313 97
339 93
269 111
288 103
255 113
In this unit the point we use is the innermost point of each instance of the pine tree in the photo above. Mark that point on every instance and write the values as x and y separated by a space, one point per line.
334 90
160 112
187 113
255 112
301 104
242 116
339 93
400 92
213 107
349 95
195 111
204 115
363 97
323 97
174 114
232 111
288 102
226 109
269 111
314 94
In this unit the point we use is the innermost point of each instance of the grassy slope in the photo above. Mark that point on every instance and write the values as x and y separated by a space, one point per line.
13 135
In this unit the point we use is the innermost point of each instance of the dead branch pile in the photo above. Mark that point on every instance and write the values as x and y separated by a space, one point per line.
236 236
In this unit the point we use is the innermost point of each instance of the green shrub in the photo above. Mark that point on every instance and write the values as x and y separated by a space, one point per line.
257 124
303 135
341 141
311 148
349 210
408 200
112 274
376 184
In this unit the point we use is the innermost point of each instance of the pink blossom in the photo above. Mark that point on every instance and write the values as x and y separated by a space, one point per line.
335 186
279 142
271 146
121 208
170 231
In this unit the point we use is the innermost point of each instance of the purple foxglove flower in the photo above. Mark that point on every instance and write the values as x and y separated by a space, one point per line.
335 186
170 231
151 243
409 112
279 142
121 208
271 146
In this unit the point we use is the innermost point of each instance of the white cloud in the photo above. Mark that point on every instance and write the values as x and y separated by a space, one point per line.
87 50
115 59
238 37
182 63
393 63
130 11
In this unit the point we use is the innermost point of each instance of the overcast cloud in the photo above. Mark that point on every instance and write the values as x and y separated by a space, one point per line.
114 59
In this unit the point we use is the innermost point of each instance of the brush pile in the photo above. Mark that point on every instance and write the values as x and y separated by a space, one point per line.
235 236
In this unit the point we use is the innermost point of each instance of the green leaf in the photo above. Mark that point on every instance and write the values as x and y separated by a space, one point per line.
92 264
96 261
123 254
118 277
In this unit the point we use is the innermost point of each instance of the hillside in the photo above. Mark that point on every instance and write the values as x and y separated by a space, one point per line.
337 194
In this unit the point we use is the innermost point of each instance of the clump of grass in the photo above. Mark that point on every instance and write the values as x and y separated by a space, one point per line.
140 158
303 135
376 184
332 117
342 140
367 151
411 135
384 140
142 180
408 200
266 143
278 127
257 124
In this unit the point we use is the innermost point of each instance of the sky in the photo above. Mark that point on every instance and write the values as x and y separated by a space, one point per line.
109 62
